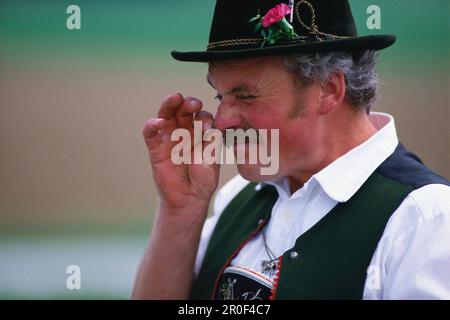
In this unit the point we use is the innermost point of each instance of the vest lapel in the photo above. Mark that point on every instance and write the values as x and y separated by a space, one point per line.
241 220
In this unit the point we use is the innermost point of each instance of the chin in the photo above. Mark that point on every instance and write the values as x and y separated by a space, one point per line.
252 172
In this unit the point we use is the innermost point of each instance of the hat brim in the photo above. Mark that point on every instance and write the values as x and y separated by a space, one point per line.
371 42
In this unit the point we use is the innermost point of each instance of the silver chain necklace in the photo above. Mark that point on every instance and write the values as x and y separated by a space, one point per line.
268 267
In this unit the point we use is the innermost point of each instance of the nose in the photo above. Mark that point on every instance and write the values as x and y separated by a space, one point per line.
227 117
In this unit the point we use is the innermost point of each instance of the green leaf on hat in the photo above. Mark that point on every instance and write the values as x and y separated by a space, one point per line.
283 24
258 26
254 19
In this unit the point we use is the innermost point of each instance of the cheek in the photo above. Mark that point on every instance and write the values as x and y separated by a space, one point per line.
264 116
293 134
296 141
262 120
292 140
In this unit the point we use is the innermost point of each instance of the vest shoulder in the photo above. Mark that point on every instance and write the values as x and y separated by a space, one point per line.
406 168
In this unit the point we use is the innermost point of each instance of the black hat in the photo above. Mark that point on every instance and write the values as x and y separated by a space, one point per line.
313 26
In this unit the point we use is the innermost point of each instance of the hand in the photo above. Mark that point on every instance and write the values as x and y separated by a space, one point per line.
185 185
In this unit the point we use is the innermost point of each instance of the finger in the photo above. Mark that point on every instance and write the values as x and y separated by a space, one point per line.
206 118
169 106
185 113
210 136
151 132
152 127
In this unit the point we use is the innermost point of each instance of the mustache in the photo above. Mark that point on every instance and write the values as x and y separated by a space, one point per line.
250 135
233 130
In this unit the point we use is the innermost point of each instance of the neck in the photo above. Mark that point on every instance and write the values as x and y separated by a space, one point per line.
337 139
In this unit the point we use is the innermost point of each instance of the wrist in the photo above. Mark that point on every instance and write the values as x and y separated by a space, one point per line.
198 208
180 225
183 215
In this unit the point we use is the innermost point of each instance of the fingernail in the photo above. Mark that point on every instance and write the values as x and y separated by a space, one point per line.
206 125
195 103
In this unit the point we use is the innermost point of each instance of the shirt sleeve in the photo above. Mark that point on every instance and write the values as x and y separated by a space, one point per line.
412 259
221 201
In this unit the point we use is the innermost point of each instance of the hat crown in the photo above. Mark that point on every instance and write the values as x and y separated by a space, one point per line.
331 17
317 26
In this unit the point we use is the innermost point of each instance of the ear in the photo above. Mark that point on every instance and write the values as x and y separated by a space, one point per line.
333 93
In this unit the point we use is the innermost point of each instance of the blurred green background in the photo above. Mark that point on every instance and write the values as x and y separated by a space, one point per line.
75 185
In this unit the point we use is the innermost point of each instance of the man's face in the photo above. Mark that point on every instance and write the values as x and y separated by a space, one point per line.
259 93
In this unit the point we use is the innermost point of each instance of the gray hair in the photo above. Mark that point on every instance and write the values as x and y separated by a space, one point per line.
361 78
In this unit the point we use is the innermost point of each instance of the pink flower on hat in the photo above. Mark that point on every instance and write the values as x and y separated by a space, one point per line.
275 14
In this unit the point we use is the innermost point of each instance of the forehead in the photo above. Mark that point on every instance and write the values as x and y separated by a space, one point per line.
250 70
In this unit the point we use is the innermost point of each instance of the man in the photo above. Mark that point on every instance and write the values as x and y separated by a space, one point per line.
350 213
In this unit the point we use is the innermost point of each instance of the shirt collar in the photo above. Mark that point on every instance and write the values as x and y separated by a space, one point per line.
343 177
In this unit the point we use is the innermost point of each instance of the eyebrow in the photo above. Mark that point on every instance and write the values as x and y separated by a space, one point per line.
236 89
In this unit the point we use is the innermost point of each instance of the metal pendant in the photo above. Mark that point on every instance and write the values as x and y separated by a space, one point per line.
269 267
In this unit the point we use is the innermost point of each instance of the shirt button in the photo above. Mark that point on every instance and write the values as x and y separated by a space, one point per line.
293 255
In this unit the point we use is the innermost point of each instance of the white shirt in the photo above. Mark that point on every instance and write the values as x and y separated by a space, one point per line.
412 259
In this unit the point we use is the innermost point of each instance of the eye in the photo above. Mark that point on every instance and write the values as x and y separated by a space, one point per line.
218 97
245 97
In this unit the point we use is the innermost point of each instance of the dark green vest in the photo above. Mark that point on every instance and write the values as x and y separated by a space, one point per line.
333 256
